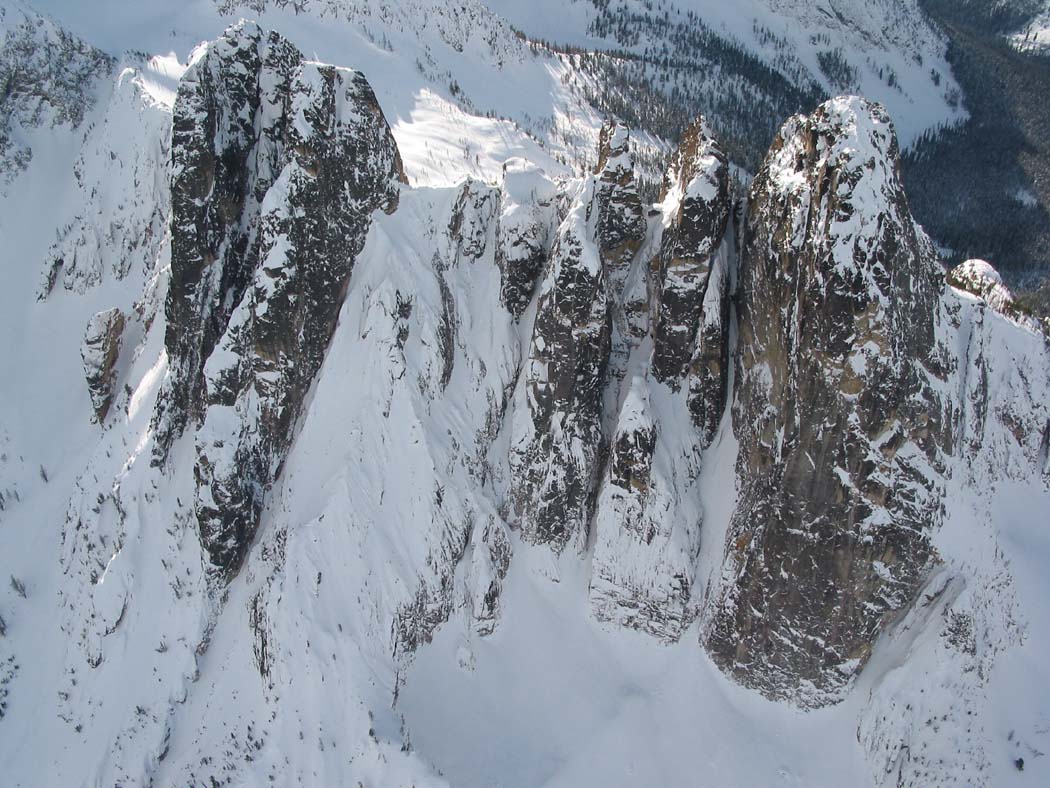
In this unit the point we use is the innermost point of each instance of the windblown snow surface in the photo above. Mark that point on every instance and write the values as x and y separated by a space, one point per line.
126 671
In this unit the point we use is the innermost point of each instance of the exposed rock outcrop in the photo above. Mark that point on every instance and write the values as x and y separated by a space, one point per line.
278 164
691 340
619 232
592 309
648 517
620 226
839 426
526 224
979 278
364 416
558 428
100 351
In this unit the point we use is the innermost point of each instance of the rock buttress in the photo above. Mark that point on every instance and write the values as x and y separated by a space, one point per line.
278 165
839 470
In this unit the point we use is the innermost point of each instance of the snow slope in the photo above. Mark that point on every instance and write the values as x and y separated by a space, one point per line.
1035 37
507 100
890 46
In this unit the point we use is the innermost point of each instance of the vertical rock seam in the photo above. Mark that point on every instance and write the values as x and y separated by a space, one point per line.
649 517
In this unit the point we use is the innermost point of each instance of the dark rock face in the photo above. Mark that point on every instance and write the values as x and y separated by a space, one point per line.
691 339
100 351
556 442
631 457
221 171
620 228
839 465
46 75
648 519
278 165
592 308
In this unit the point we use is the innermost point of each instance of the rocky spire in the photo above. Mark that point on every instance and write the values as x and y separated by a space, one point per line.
691 340
278 164
581 319
558 428
620 228
838 470
648 519
525 234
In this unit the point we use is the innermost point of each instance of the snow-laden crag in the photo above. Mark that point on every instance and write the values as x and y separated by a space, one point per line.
323 412
277 166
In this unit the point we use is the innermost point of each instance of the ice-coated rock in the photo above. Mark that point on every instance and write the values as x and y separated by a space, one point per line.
592 308
647 523
980 278
620 224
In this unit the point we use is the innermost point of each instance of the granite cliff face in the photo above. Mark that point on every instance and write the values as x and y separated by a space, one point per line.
840 426
277 166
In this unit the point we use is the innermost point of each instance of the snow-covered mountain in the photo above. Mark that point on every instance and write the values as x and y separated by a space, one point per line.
886 49
363 422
